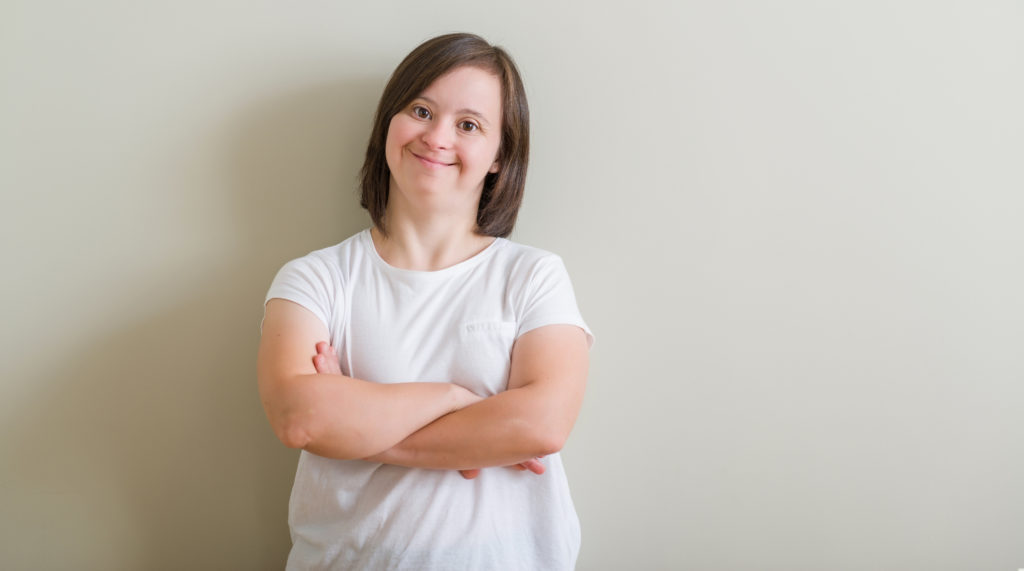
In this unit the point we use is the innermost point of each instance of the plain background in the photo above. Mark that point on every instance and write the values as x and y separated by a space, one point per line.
795 228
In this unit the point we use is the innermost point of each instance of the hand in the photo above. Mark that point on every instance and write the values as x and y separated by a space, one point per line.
533 465
326 360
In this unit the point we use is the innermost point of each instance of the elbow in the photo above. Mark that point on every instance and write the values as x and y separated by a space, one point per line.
291 429
551 445
305 433
544 432
547 442
284 410
292 433
292 418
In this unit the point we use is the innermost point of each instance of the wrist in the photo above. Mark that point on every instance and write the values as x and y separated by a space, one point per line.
461 397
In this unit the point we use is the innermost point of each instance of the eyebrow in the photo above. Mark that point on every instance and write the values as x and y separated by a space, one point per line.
463 111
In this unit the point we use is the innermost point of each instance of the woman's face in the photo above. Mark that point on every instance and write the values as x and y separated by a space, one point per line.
441 146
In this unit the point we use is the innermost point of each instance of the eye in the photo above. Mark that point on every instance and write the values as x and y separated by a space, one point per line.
468 126
420 112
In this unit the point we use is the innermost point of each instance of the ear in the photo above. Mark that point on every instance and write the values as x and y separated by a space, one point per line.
494 167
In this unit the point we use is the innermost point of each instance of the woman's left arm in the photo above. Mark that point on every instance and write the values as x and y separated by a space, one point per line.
532 418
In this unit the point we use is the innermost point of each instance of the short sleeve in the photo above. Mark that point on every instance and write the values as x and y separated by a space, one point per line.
550 299
306 281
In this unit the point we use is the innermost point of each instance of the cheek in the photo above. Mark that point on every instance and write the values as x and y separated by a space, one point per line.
393 141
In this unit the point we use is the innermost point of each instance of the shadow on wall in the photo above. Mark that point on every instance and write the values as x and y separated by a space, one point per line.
154 452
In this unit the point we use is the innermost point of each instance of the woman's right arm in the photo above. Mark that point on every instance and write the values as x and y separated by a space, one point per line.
333 415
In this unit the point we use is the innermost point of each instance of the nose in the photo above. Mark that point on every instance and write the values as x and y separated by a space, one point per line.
437 135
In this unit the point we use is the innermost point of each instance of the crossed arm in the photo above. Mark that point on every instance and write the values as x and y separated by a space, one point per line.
312 406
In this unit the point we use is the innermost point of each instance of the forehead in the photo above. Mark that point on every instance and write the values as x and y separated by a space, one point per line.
467 88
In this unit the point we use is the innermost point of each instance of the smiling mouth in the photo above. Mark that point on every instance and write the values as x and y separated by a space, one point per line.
429 162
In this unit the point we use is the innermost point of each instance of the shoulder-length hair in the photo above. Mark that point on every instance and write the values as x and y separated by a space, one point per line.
503 190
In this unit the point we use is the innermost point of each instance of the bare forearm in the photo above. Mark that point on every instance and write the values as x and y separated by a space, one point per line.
311 405
533 418
505 429
341 417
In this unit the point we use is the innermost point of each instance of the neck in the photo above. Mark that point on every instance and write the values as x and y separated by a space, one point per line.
428 243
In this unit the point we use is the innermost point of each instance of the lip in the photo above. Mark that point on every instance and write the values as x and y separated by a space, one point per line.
430 162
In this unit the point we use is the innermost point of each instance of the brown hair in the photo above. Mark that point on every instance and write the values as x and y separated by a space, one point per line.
503 190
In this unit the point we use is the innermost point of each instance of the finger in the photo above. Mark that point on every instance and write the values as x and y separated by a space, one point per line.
326 360
534 466
470 474
320 363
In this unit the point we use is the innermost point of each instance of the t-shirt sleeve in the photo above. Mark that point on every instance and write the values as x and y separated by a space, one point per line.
550 299
308 282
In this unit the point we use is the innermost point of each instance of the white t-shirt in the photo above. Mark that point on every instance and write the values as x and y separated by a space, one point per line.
453 325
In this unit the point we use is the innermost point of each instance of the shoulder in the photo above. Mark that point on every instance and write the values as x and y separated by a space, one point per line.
332 259
319 273
318 280
541 289
522 258
341 252
528 269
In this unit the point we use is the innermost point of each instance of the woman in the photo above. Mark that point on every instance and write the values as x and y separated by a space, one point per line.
416 353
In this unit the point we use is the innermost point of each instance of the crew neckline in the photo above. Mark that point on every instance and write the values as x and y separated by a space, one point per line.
473 260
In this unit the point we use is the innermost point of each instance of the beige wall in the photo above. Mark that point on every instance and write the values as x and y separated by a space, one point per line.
795 228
